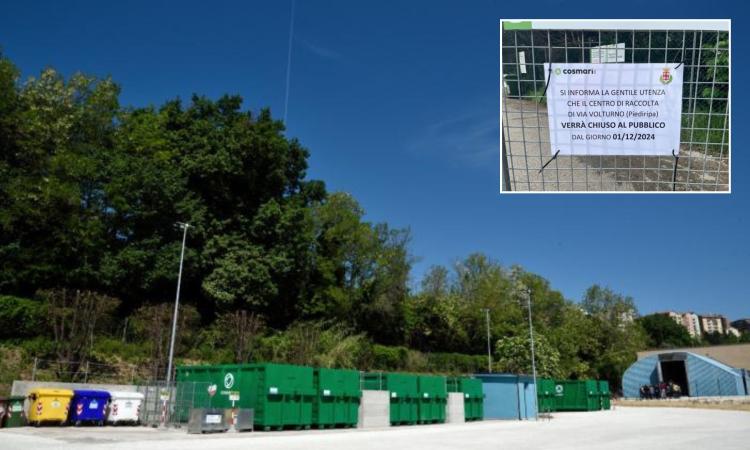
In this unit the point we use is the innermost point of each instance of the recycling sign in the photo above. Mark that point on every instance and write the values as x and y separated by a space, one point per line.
228 380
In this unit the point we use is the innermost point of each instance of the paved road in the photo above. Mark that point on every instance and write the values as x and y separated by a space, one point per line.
636 428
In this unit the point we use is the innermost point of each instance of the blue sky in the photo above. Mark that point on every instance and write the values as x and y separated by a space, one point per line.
398 103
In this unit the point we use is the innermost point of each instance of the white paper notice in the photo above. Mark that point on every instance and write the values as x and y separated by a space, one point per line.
614 109
608 54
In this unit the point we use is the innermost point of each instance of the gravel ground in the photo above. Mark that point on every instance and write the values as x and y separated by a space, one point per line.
696 171
625 427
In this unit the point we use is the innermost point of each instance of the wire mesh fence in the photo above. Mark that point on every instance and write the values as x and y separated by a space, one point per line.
171 404
703 160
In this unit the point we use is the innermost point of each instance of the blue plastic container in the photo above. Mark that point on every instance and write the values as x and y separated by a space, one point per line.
88 407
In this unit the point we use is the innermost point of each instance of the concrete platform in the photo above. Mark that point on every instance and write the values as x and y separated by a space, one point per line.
625 427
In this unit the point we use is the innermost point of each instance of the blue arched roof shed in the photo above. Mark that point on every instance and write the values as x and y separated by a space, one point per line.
697 375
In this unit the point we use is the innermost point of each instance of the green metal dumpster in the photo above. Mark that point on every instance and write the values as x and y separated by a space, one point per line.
337 397
604 394
473 396
546 395
11 412
576 395
433 396
403 392
282 395
593 395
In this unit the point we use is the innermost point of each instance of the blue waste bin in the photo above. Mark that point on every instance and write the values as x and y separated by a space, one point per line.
88 407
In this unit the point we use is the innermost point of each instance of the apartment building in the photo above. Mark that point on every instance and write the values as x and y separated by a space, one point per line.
689 320
692 322
714 323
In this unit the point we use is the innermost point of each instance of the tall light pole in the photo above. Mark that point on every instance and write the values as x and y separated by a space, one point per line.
185 227
533 356
489 348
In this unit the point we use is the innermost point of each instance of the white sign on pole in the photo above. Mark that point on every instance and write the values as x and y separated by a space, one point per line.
608 53
614 109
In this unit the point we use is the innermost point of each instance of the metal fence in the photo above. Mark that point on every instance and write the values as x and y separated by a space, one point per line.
170 405
703 162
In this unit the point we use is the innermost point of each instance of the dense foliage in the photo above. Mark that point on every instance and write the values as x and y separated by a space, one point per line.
664 332
276 267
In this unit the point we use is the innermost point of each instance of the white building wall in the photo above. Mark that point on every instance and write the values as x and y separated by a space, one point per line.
692 323
712 324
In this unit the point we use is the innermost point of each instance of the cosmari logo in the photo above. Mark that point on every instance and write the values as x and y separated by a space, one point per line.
228 380
559 71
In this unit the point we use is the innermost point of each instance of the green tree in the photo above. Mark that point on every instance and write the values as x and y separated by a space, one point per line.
618 337
76 318
240 184
361 270
56 136
435 317
513 354
574 341
152 324
21 317
717 338
663 332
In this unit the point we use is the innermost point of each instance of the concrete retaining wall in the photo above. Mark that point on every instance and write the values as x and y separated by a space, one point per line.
454 410
375 410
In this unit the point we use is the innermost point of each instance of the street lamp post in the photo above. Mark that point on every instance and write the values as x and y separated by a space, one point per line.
184 227
489 348
533 356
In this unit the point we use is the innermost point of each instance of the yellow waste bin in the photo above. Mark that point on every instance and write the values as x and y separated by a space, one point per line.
48 405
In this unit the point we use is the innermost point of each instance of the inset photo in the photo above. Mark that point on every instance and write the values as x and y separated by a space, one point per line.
602 106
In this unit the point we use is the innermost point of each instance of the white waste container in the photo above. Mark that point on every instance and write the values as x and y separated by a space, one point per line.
124 407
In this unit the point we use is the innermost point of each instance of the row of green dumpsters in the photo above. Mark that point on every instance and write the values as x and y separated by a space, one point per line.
573 395
290 396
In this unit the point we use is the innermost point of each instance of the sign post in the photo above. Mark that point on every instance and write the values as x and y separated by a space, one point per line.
614 109
164 397
234 396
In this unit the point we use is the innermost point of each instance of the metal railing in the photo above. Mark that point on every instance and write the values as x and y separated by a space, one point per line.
703 163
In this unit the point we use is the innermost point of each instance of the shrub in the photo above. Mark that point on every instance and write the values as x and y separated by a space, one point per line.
13 362
388 358
21 317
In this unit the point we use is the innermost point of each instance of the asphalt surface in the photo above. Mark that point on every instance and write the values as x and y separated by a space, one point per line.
625 427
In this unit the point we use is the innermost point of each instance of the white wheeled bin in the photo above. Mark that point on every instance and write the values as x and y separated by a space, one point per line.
124 407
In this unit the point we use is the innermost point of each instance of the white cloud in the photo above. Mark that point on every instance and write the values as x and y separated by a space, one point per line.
472 139
323 52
